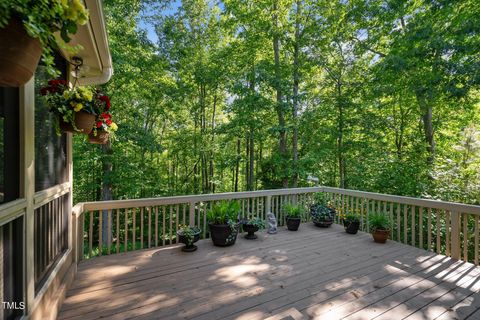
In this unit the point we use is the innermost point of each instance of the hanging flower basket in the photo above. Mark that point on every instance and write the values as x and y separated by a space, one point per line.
100 138
83 122
19 55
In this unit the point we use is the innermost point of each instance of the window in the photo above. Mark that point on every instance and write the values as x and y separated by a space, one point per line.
9 144
50 148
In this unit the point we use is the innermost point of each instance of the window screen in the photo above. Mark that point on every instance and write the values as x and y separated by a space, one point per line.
9 144
50 148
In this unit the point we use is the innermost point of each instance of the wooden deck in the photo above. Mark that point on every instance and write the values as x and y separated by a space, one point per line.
313 273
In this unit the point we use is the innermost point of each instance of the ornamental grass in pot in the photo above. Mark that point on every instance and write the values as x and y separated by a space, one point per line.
223 223
293 215
379 227
251 225
28 30
188 235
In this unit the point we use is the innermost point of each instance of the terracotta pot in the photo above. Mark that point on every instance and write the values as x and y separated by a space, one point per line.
83 121
100 138
380 236
19 55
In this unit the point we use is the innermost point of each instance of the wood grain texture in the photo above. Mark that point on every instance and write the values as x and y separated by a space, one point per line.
315 272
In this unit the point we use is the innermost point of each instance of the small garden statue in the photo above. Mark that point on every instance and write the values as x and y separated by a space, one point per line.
272 223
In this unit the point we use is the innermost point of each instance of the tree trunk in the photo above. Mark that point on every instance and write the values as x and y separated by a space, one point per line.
282 143
427 119
296 81
340 142
107 168
237 165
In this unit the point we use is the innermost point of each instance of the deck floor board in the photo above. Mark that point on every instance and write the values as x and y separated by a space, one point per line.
313 273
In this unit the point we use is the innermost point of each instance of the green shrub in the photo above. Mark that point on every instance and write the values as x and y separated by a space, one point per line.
255 221
224 212
293 210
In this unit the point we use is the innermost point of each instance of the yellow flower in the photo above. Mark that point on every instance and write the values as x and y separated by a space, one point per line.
113 126
78 107
66 94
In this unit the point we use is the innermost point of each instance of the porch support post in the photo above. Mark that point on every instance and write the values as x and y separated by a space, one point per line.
192 214
27 187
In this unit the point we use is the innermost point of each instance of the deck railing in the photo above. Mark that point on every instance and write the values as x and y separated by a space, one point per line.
444 227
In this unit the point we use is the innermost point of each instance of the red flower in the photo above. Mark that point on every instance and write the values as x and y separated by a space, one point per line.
99 124
109 122
106 100
106 115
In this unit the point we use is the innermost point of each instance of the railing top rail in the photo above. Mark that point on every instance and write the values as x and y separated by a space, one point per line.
427 203
150 202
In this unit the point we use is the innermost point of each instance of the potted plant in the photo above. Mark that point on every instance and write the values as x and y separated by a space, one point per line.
27 31
379 227
293 213
252 225
188 235
104 128
322 212
223 222
75 107
351 223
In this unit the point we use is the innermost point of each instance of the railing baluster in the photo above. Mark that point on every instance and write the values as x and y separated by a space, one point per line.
134 230
413 224
429 231
177 210
149 221
163 221
465 237
405 224
420 227
476 241
447 232
126 231
391 219
117 221
141 227
109 230
90 235
437 214
100 227
205 220
399 208
184 213
156 224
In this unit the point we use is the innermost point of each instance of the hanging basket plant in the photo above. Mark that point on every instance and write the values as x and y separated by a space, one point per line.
27 31
75 107
104 128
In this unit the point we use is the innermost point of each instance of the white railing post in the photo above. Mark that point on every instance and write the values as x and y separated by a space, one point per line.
455 223
268 205
192 214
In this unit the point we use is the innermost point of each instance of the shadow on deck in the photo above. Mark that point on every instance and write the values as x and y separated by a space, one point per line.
313 273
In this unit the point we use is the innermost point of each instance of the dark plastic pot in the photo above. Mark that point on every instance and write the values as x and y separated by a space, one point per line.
222 235
380 236
19 54
293 223
250 229
191 247
351 227
324 223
